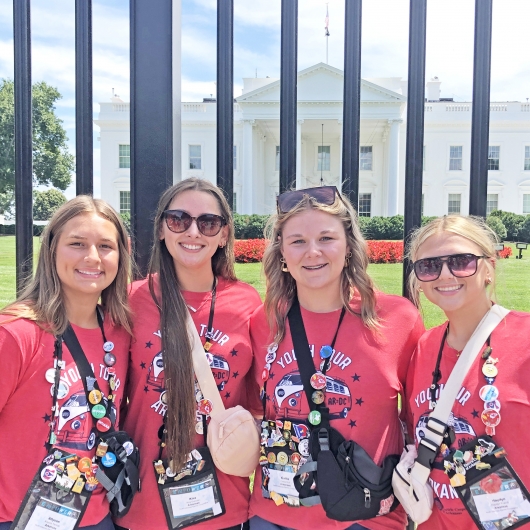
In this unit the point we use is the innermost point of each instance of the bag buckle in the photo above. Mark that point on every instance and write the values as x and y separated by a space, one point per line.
323 439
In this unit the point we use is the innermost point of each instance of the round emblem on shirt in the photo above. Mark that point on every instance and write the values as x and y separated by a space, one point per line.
271 457
95 397
273 348
492 405
62 391
205 407
48 474
303 447
489 393
108 459
50 375
282 458
295 458
199 429
326 352
108 346
109 359
163 397
98 411
315 417
491 418
129 447
103 424
490 370
318 397
84 465
318 381
270 357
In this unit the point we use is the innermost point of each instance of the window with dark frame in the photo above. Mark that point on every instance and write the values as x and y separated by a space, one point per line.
527 157
365 205
124 153
195 157
125 201
455 158
454 203
494 154
492 202
323 157
365 158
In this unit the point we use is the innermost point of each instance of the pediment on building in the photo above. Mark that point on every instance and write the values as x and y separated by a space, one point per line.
320 84
496 183
455 183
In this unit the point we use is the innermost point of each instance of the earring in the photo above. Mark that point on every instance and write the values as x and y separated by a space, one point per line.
488 281
347 259
222 245
284 265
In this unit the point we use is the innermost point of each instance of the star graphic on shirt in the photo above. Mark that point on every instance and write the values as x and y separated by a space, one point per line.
142 366
271 375
146 389
235 375
227 395
356 377
234 352
148 344
47 418
353 423
359 401
474 413
267 397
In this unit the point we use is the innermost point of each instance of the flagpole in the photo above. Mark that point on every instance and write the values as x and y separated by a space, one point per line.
326 27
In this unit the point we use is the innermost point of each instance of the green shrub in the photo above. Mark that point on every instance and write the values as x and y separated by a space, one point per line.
511 221
9 230
126 218
497 226
524 230
249 226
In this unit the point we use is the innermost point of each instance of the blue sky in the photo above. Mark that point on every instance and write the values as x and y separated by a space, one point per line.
257 46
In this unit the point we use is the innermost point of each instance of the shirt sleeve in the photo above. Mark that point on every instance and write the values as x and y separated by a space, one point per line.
12 362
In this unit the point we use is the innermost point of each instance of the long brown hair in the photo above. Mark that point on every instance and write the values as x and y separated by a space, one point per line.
178 365
42 299
281 286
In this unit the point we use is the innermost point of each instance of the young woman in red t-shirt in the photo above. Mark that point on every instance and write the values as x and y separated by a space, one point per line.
191 270
317 254
83 260
454 266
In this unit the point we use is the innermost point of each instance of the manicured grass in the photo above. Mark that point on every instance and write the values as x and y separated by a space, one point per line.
513 275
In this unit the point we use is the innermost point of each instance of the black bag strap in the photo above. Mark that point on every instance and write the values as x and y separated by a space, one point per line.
304 359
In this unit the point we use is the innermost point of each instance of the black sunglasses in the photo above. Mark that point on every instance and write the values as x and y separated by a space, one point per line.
179 221
324 195
460 265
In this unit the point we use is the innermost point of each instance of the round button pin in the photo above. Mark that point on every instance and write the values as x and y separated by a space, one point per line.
282 458
129 448
314 417
270 357
273 348
108 346
489 393
84 465
265 374
62 391
492 405
199 429
109 359
318 397
108 459
205 406
303 447
490 370
295 458
95 397
271 457
48 474
98 411
491 418
318 381
163 397
50 375
103 424
326 352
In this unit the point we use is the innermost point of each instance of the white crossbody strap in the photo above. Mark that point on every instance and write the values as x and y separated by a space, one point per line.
437 423
202 369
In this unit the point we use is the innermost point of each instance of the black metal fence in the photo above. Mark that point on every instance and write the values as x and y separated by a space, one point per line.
152 113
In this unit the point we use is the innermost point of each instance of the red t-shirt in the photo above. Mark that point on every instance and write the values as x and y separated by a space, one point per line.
369 371
510 344
235 302
26 352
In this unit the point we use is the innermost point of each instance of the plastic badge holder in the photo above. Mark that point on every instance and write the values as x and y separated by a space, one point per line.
495 498
49 504
284 447
195 497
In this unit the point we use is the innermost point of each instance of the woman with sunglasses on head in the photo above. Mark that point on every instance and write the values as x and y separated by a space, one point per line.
49 429
361 341
191 270
454 267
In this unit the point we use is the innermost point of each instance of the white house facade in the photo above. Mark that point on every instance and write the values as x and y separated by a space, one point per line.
319 146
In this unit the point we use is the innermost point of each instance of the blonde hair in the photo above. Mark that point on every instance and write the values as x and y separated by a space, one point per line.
471 228
178 363
281 286
42 300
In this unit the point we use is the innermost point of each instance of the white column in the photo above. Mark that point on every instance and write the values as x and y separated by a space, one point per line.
247 176
340 154
299 154
176 80
393 167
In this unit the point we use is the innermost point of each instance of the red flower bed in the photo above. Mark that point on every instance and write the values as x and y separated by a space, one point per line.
503 254
385 251
249 250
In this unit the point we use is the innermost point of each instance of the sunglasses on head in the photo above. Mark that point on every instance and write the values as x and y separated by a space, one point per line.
460 265
208 224
324 195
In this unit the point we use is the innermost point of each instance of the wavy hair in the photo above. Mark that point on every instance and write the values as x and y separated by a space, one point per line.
178 364
42 299
472 228
281 286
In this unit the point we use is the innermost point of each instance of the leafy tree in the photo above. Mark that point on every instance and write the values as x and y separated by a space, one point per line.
46 203
496 224
524 230
511 221
52 163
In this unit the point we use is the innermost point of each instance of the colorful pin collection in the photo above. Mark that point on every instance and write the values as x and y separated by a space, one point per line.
68 472
284 447
489 393
194 464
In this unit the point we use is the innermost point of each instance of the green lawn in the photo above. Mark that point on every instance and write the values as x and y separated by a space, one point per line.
513 289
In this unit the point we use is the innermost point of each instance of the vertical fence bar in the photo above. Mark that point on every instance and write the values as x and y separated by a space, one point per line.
84 159
415 125
225 98
480 118
23 143
151 117
288 84
351 134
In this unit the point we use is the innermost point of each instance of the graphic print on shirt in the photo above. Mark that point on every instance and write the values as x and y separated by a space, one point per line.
289 399
75 426
155 374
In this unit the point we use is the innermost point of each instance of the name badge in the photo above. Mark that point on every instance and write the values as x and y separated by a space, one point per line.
194 499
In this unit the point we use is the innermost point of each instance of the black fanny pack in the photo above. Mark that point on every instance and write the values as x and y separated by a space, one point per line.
340 474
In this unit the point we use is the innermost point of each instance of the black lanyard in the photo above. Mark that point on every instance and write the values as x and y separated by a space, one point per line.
437 374
162 432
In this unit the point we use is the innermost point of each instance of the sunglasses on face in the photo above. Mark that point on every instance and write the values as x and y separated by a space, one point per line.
208 224
460 265
324 195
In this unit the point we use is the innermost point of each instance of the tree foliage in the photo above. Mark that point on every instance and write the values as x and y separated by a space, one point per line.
496 224
52 163
46 203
